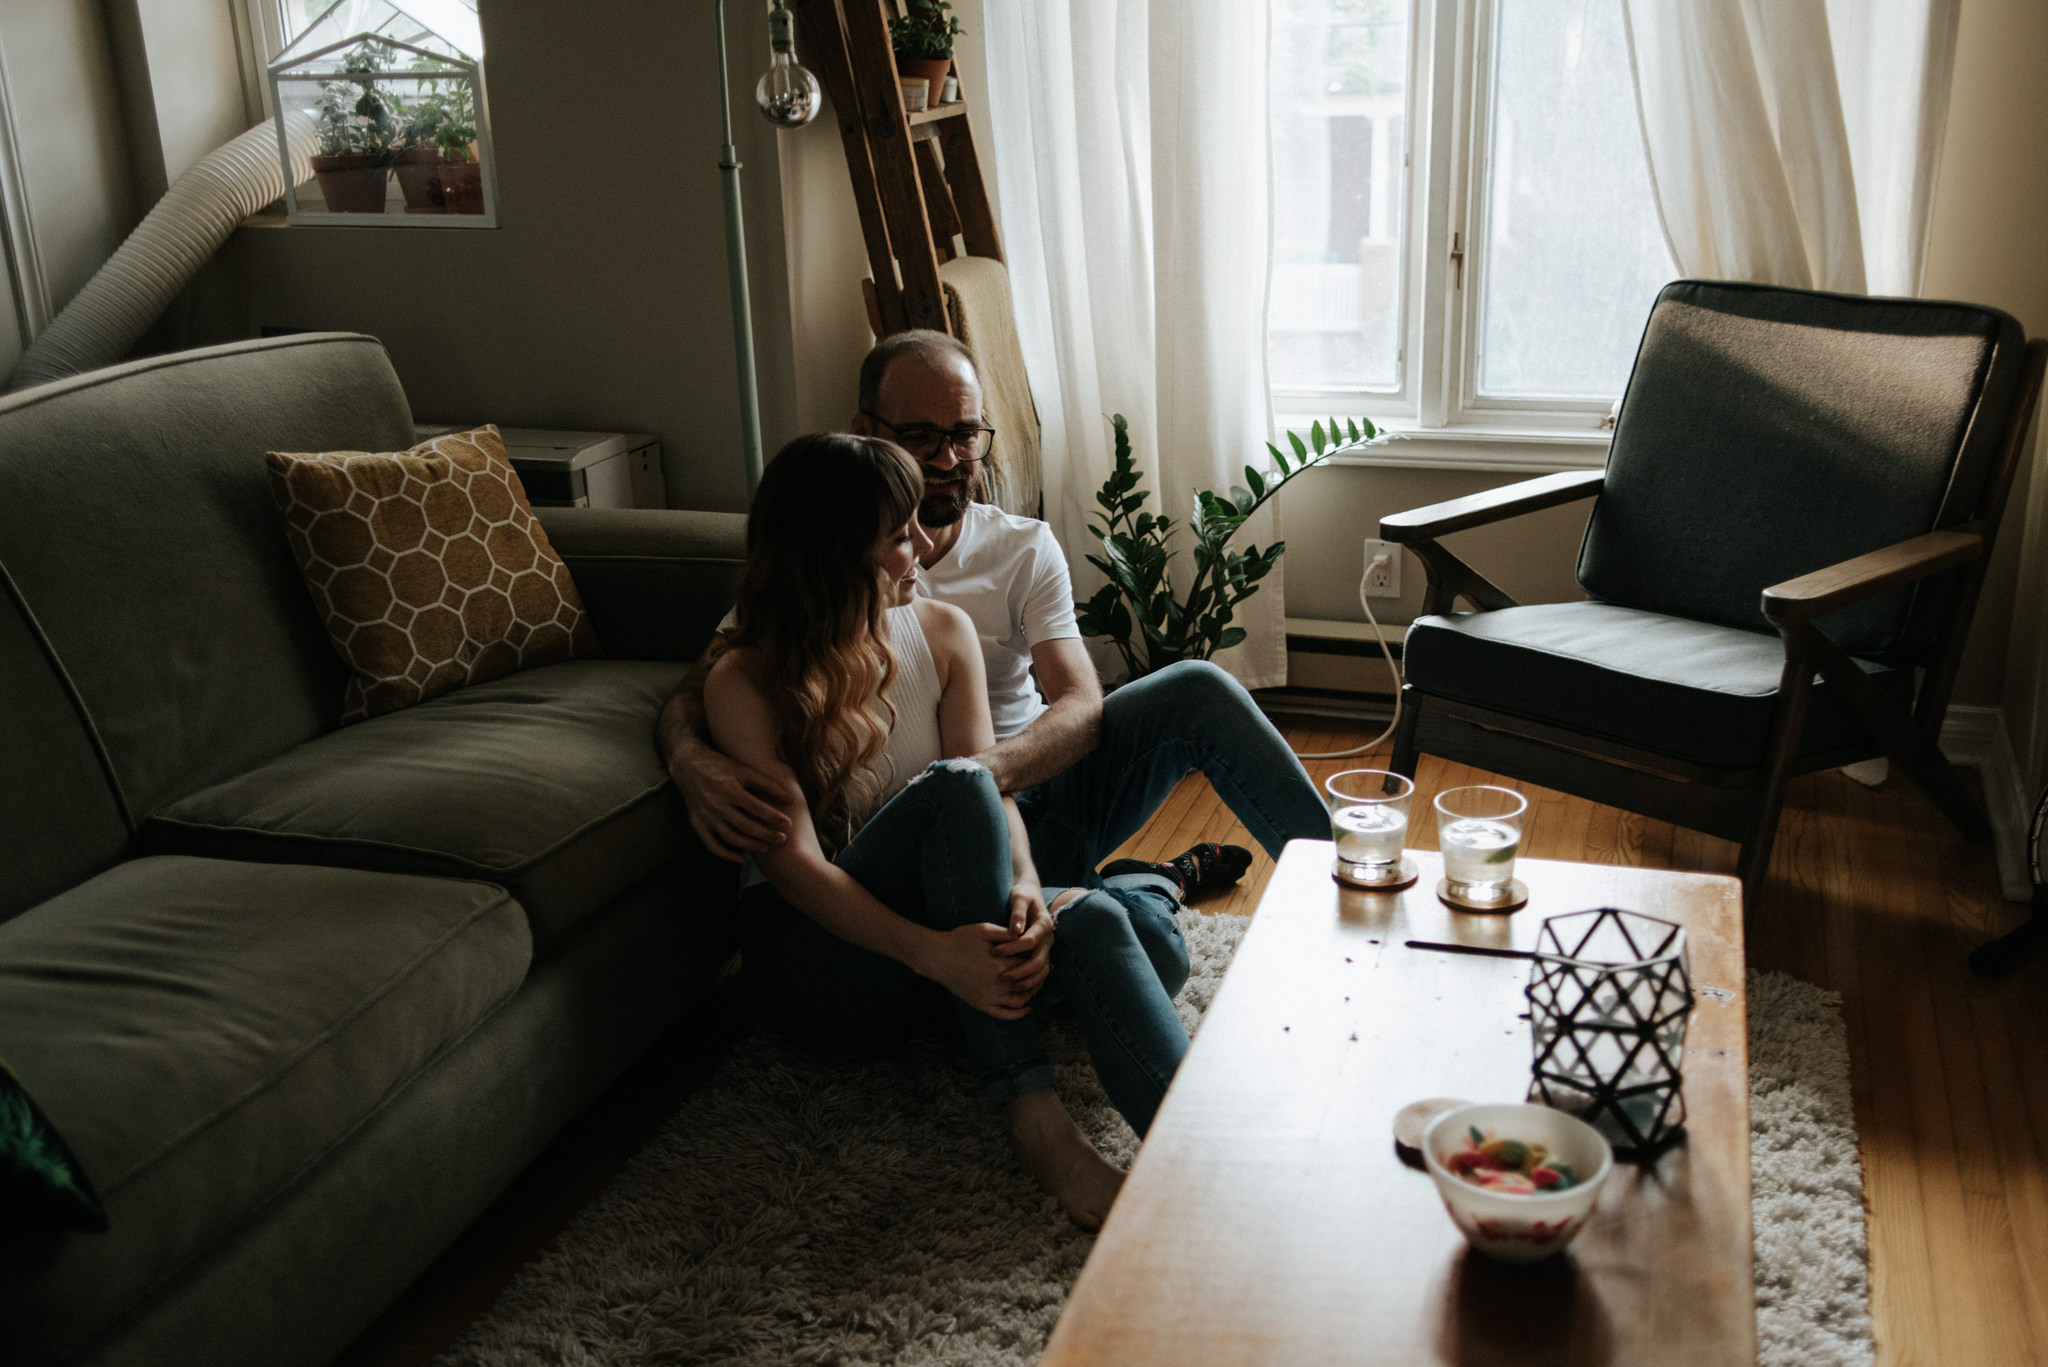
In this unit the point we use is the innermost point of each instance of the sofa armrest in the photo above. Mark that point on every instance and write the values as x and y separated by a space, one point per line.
655 581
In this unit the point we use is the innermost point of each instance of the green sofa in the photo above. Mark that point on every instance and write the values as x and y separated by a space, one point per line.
304 999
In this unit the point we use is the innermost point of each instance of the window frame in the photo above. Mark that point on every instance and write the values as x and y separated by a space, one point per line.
1435 405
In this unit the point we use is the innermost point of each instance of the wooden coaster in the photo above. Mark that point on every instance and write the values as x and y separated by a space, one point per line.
1518 896
1411 1120
1398 876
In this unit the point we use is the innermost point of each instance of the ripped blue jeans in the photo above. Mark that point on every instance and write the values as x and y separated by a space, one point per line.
939 854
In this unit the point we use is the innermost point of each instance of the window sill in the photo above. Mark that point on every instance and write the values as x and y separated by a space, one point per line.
1485 449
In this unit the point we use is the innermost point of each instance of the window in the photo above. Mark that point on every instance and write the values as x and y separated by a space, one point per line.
1464 238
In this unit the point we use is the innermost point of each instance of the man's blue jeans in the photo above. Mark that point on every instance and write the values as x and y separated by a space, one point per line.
939 854
1155 731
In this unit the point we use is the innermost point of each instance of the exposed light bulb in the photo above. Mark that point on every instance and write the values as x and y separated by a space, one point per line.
789 95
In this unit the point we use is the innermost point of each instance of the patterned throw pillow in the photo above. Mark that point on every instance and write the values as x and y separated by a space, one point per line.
428 567
41 1184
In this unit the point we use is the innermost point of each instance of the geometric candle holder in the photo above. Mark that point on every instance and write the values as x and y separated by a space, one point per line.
1609 1000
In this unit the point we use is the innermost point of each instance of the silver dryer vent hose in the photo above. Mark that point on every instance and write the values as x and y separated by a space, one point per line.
187 226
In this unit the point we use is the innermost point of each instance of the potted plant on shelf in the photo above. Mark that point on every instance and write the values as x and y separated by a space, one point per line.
357 131
417 162
923 40
461 174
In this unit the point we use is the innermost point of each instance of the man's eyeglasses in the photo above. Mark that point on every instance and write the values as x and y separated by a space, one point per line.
922 440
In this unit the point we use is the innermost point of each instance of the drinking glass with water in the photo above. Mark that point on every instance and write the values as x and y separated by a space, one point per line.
1479 831
1369 822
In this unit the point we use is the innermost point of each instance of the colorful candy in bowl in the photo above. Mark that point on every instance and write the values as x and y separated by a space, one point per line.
1519 1180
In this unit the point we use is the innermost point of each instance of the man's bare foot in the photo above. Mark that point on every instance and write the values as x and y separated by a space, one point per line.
1060 1158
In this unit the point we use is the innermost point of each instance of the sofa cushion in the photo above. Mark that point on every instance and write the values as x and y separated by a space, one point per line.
205 1033
1691 690
139 527
60 818
545 781
42 1185
427 567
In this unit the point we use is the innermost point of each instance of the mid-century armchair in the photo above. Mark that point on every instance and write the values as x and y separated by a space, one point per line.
1791 532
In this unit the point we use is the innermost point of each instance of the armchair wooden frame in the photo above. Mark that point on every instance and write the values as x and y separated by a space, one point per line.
1736 804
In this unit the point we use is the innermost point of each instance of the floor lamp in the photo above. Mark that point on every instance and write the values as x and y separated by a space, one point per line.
788 97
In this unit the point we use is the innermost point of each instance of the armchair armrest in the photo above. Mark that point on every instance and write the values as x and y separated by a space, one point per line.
1476 510
655 581
1865 576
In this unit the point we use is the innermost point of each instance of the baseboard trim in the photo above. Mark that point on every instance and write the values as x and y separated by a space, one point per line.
1976 736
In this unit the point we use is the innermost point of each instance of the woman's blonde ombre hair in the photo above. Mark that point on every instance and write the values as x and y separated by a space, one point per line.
809 609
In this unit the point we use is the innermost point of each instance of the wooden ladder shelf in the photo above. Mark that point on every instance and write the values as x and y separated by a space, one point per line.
917 179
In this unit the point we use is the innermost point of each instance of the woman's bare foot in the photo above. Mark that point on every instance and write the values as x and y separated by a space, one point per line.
1060 1158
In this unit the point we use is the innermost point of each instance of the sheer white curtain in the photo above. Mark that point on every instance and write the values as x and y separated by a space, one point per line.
1131 168
1794 142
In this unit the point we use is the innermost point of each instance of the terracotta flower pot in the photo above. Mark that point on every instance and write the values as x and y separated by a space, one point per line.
462 184
352 183
932 69
419 181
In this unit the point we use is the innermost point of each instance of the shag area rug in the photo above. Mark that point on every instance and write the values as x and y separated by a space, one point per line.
795 1211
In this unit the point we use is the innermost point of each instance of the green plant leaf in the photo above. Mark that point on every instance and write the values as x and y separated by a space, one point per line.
1255 482
1315 436
1300 451
1230 637
1278 458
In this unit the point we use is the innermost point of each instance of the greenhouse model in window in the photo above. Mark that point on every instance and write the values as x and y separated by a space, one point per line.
394 93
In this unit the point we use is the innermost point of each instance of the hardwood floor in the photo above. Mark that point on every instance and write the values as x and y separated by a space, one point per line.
1871 894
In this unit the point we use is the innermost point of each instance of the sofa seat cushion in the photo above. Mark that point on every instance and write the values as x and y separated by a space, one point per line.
545 781
1691 690
203 1032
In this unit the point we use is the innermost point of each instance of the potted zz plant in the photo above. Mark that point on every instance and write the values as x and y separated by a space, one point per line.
1137 610
923 40
357 133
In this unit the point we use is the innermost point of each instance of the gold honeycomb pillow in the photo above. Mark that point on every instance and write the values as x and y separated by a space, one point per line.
428 567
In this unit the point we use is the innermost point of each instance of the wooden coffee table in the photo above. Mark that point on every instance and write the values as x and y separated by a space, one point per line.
1268 1220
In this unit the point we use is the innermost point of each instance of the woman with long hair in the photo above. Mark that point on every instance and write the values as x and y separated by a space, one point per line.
905 893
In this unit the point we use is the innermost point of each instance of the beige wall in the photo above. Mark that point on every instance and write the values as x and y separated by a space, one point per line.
67 115
1987 247
601 302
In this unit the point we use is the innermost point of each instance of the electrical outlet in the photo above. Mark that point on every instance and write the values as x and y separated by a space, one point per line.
1384 582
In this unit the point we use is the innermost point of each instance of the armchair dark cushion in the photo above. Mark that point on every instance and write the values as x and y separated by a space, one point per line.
1691 690
1769 432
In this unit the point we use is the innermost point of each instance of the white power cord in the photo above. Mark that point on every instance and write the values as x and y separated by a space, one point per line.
1393 670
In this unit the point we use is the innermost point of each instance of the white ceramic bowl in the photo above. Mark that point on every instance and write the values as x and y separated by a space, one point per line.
1518 1229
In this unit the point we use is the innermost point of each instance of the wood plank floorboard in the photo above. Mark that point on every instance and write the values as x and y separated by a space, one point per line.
1870 894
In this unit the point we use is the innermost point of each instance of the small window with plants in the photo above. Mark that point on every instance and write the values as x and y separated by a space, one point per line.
381 118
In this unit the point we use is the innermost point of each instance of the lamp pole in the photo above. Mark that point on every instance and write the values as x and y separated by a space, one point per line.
736 266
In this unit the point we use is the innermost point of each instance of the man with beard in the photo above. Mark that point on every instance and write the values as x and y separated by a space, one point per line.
1087 773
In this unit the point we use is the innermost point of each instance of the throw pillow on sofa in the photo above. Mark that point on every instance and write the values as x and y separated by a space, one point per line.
428 567
41 1184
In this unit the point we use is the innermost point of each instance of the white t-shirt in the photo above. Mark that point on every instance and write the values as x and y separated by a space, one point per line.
1009 576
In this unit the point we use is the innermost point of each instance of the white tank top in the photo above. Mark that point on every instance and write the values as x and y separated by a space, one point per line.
914 742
